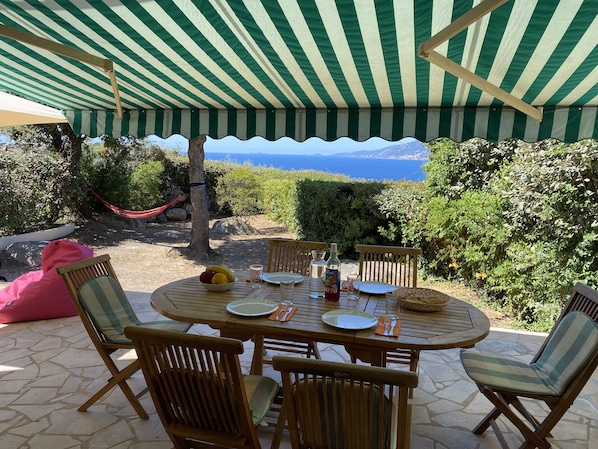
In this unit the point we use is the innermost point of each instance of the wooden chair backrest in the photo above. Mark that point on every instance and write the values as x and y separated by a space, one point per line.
291 255
196 384
331 404
389 264
76 274
583 299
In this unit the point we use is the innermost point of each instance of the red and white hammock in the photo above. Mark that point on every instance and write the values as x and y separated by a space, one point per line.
136 214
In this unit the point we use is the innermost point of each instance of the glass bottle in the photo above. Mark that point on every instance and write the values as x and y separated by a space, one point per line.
317 268
332 276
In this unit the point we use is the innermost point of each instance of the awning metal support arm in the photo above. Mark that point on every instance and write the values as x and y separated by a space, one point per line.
426 51
31 39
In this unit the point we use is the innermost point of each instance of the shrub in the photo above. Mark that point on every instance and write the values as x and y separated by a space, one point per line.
341 212
241 189
145 185
36 188
280 202
402 205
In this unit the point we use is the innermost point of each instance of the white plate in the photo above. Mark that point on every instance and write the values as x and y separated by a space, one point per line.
252 307
375 288
349 319
275 278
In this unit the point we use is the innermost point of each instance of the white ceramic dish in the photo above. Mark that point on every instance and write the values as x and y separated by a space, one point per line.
349 319
218 287
375 288
252 307
275 278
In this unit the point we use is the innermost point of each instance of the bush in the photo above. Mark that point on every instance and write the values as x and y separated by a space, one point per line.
344 213
280 202
240 188
145 185
402 205
37 189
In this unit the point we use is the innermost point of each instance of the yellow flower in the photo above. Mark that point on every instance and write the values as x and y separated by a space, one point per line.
481 275
454 265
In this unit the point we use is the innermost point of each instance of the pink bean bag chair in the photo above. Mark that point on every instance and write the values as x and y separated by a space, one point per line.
41 294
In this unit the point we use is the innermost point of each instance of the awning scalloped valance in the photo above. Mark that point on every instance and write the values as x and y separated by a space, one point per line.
424 124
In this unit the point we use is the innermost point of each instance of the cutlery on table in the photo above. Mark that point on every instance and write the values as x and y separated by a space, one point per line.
386 326
280 313
391 327
286 313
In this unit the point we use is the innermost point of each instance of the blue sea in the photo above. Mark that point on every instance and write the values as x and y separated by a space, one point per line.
376 169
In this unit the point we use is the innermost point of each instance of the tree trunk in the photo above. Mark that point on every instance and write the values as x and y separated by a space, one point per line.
200 221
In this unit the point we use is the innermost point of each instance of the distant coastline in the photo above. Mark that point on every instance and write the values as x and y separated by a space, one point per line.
369 168
406 149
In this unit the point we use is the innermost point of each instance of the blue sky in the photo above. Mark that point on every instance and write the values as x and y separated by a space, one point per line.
284 145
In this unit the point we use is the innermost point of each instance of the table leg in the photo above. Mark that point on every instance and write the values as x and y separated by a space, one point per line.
257 362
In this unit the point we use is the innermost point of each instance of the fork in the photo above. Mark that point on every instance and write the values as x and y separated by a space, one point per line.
286 313
386 326
280 313
391 327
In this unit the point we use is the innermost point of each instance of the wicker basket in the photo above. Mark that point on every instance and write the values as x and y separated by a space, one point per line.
422 299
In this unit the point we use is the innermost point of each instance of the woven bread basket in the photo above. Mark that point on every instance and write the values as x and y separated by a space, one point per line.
422 299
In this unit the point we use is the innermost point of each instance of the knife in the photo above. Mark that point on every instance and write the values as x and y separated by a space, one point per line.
286 314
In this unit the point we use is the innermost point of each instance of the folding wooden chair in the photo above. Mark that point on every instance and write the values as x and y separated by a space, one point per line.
291 256
331 404
201 396
105 311
555 376
392 265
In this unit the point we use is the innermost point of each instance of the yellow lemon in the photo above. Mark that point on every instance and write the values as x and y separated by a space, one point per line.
219 278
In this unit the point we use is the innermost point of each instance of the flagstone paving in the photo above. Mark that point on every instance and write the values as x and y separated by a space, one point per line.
48 368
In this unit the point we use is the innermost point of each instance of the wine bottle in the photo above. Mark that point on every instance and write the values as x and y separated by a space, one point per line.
332 276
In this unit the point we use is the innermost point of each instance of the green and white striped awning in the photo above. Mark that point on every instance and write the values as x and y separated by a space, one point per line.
309 68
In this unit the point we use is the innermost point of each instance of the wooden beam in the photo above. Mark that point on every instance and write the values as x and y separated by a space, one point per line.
426 51
454 28
475 80
119 108
54 47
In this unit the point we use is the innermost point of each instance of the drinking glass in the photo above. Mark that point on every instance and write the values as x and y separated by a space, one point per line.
255 275
287 289
392 306
352 290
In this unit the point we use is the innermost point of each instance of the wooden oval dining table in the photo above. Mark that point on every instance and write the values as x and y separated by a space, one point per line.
460 324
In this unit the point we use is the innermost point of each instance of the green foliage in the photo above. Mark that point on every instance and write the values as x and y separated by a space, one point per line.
344 213
521 226
145 185
402 205
457 167
280 202
36 188
240 188
109 174
213 171
465 237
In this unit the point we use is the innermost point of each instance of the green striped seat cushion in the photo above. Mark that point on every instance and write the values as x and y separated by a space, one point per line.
109 309
571 346
260 391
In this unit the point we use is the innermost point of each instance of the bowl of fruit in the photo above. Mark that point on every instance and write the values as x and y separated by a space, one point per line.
217 278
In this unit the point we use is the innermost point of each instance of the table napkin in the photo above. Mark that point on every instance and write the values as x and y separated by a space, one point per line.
380 328
277 311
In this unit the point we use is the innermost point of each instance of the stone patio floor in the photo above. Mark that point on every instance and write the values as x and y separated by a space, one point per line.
48 368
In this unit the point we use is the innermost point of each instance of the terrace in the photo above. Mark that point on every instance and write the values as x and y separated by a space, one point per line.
48 367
